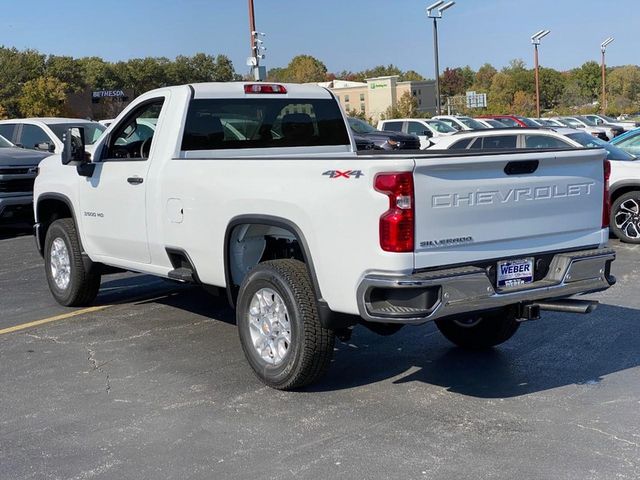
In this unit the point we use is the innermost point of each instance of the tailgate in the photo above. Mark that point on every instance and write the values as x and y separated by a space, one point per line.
468 208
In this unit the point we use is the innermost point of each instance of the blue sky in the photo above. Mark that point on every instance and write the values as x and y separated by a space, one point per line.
344 34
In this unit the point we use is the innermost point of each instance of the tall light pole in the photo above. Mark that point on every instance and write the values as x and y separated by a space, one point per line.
435 11
535 39
259 73
603 48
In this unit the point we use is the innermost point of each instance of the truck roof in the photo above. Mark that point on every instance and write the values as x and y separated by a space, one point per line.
236 90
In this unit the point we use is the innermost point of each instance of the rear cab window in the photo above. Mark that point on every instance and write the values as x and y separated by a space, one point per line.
216 124
499 142
392 126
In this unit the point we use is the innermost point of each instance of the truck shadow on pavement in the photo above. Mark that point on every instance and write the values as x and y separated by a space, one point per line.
557 351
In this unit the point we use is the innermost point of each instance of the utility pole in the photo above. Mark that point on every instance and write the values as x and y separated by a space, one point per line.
603 48
435 11
259 72
535 39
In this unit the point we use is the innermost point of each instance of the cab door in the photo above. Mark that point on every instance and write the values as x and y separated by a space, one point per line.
113 200
422 132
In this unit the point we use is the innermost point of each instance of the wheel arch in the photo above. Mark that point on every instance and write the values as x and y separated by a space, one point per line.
271 221
50 207
621 188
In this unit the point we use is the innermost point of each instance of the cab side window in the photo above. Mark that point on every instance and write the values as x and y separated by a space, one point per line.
544 141
6 130
32 136
133 137
416 128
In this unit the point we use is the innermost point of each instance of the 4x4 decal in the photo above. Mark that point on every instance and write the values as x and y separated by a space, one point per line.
344 173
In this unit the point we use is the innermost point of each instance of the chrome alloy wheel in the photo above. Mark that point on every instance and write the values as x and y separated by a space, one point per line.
627 218
60 264
269 326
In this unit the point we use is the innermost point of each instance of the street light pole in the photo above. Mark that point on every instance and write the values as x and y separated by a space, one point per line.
535 39
435 11
259 73
603 48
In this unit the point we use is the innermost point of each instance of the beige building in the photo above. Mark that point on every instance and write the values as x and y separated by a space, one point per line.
375 95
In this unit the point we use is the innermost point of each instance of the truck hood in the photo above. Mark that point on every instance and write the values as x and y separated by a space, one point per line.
20 156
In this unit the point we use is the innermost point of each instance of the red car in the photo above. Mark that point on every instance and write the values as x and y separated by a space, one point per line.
512 120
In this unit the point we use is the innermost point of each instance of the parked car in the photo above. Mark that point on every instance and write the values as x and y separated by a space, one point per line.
626 125
625 169
545 122
460 122
512 120
571 122
18 170
629 142
426 129
45 134
490 122
391 140
262 215
611 131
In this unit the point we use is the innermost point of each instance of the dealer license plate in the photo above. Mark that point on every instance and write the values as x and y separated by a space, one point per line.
515 272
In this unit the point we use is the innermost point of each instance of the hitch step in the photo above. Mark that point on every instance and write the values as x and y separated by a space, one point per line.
569 306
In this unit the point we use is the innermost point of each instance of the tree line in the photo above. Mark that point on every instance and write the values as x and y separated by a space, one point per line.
35 84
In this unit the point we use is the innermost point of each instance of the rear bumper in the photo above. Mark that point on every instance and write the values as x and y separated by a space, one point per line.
422 297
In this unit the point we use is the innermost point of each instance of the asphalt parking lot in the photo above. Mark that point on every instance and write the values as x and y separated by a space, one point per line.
152 384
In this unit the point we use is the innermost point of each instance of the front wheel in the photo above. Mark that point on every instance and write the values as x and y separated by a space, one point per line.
71 284
625 217
279 325
480 331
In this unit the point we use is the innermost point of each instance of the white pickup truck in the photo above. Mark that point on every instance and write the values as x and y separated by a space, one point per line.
258 189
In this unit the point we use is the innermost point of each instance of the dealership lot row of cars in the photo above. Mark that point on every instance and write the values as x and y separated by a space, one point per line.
25 142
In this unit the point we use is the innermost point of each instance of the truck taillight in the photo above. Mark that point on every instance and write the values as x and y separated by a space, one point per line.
397 223
264 88
606 202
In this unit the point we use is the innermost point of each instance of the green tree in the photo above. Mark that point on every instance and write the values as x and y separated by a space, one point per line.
552 85
67 70
16 69
588 79
484 77
406 107
3 113
469 77
43 97
523 103
501 92
305 68
411 76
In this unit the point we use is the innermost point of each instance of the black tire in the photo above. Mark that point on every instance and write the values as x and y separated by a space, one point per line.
310 349
83 285
480 331
625 217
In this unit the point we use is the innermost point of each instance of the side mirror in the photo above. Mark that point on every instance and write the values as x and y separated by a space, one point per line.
428 133
73 151
46 147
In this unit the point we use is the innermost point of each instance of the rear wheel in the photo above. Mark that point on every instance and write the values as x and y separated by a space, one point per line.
480 331
625 217
71 284
279 326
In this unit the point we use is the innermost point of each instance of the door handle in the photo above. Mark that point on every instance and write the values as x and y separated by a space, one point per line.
135 180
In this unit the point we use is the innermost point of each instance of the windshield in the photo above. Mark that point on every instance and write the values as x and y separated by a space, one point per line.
527 122
440 127
587 121
360 126
4 143
570 122
589 141
608 119
471 123
92 130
